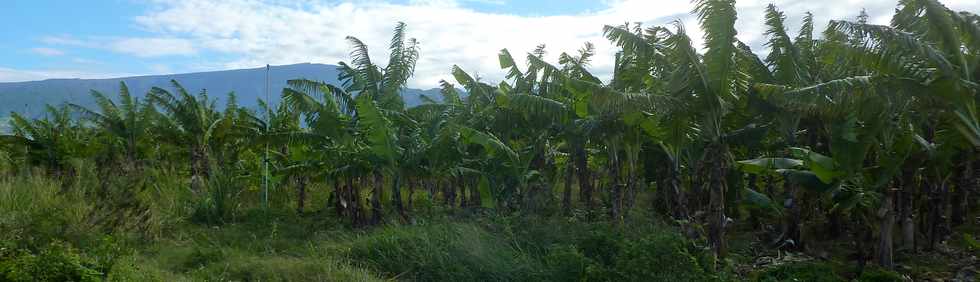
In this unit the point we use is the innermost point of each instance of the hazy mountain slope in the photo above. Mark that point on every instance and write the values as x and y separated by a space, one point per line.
248 85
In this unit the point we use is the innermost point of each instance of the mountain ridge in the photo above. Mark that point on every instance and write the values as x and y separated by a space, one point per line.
29 97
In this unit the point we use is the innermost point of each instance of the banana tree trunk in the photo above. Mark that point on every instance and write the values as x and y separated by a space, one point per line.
396 194
886 217
200 170
354 199
566 199
476 199
934 214
411 194
338 198
734 194
907 209
697 179
377 210
461 183
679 206
301 193
971 204
631 191
791 227
581 159
962 195
429 187
945 228
716 202
449 193
616 197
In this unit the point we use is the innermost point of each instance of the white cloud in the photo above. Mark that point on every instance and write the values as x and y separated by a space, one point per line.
47 52
85 61
436 3
65 40
258 32
16 75
144 47
153 47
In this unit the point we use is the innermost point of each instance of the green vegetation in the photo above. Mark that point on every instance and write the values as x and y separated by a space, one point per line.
847 157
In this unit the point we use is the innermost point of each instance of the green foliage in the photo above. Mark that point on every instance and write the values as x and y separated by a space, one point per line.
668 252
567 263
441 252
971 243
879 275
56 261
33 212
804 271
838 123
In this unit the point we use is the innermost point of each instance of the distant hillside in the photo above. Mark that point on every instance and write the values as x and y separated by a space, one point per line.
248 85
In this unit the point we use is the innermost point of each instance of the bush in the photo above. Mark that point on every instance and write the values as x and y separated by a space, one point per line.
566 263
55 262
658 257
133 268
294 269
34 212
879 275
807 271
441 252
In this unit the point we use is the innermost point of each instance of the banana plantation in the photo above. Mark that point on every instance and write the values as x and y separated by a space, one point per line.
837 155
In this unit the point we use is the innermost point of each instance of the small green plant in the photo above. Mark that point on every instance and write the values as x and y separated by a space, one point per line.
566 263
804 271
55 262
667 251
879 275
442 252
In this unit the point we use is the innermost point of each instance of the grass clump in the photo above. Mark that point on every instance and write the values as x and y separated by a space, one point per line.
441 252
658 257
802 271
876 274
55 262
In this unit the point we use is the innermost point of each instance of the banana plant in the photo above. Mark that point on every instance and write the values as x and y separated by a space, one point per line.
190 121
125 125
50 142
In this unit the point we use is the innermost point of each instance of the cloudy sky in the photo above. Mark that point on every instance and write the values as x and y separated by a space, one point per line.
111 38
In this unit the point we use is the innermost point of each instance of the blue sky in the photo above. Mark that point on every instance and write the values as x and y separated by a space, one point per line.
71 37
110 38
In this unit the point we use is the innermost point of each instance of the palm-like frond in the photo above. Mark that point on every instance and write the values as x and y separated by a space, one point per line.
401 63
784 57
378 129
487 140
628 40
507 62
825 98
718 22
690 74
537 106
894 51
330 94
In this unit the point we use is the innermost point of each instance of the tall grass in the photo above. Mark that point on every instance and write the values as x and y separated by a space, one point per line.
143 229
442 252
34 211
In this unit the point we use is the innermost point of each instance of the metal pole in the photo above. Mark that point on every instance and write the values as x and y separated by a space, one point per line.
268 119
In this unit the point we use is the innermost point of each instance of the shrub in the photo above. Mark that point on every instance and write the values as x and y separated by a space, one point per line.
441 252
566 263
55 262
203 256
806 271
294 269
879 275
658 257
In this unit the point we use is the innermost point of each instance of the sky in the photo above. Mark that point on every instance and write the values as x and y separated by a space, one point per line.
45 39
